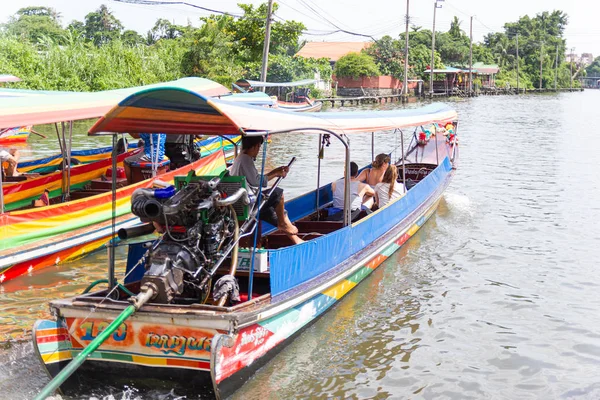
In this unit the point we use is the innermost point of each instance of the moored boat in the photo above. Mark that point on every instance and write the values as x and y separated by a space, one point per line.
18 135
181 331
77 220
298 100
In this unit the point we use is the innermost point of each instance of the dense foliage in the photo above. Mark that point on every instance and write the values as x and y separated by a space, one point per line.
540 38
356 65
98 54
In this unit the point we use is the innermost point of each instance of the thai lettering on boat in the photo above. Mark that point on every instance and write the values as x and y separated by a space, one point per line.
177 344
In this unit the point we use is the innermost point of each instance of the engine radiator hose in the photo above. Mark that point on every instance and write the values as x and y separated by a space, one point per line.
146 208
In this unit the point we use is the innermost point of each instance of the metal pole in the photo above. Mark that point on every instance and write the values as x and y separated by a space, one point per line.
572 50
347 211
405 83
321 149
372 146
518 90
111 249
437 156
432 66
556 69
69 150
265 57
403 160
541 64
471 59
258 200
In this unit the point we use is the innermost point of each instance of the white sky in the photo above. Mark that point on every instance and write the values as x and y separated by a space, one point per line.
373 17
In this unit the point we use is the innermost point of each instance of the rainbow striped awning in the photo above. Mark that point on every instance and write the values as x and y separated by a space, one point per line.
29 107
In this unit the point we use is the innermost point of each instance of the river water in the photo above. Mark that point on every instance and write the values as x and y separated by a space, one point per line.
497 296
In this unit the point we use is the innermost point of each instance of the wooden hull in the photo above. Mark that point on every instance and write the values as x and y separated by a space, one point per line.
45 236
227 344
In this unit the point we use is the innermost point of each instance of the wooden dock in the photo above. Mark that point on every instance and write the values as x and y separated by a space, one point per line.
344 101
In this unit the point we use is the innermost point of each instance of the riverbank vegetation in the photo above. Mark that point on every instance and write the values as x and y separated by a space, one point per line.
98 53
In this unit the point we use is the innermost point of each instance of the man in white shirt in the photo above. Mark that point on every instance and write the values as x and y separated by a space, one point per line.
273 211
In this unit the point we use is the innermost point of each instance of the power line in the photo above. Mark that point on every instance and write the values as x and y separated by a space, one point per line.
163 2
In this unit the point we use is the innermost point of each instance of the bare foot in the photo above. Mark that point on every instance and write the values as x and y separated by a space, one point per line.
296 239
288 229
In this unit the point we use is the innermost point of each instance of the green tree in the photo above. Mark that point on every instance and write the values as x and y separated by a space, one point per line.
101 26
132 38
356 65
163 29
249 33
594 68
212 53
455 30
34 24
389 56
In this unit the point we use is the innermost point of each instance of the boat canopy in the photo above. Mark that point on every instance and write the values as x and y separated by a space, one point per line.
253 98
8 78
244 83
182 111
24 107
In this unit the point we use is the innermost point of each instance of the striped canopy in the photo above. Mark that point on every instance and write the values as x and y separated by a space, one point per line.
24 107
182 111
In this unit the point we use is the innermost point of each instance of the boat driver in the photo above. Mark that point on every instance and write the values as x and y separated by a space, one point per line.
11 157
273 211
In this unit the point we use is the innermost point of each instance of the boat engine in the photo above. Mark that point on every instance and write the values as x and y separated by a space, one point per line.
199 225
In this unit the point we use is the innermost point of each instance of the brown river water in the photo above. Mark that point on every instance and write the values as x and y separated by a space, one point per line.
496 297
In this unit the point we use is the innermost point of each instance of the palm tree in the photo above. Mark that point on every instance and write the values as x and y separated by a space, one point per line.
455 30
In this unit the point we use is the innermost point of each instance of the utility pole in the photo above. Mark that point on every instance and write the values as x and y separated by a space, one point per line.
265 57
435 7
541 65
471 59
556 69
572 50
518 90
405 83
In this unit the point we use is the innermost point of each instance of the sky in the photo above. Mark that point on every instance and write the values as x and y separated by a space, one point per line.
374 17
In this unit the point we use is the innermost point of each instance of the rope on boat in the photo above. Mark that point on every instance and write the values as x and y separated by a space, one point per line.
99 281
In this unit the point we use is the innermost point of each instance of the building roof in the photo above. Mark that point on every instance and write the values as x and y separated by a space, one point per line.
484 69
445 70
331 50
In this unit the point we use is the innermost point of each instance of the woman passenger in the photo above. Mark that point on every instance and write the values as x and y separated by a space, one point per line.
372 176
389 189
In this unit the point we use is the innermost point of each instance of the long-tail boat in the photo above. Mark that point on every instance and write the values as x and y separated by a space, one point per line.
171 321
39 107
79 221
297 100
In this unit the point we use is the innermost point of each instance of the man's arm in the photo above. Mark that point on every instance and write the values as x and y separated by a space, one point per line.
278 172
